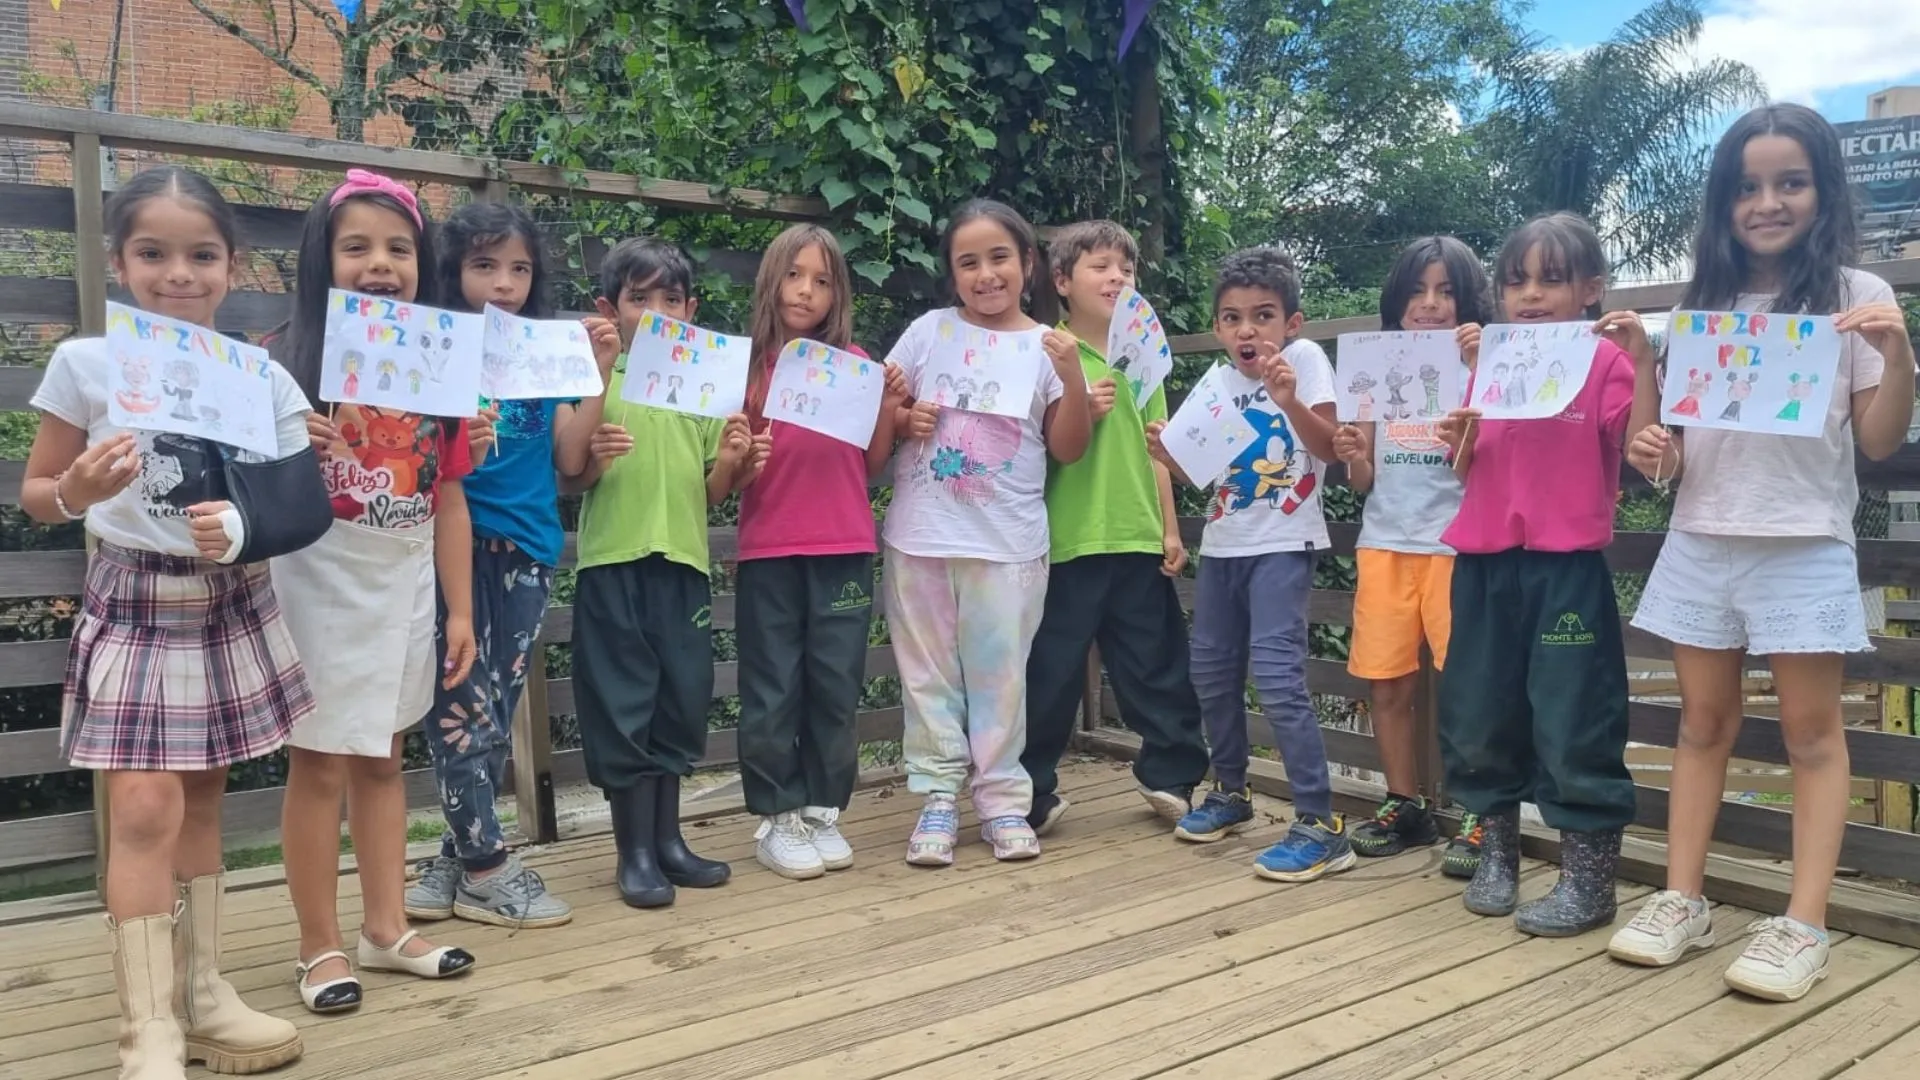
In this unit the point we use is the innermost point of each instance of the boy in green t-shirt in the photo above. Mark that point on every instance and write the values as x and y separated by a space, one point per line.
642 617
1115 552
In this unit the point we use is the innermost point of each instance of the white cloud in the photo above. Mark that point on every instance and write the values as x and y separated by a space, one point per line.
1801 55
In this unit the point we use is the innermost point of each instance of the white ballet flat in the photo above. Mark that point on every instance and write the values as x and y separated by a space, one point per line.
443 962
332 996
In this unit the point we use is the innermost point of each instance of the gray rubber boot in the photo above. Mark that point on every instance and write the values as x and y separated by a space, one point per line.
1495 887
1583 898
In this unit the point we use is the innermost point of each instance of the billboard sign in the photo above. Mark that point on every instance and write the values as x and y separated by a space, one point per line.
1882 159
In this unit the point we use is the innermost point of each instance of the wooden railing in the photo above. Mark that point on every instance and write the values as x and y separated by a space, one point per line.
1880 757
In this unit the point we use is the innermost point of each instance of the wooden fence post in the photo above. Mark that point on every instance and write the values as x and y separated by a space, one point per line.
1426 731
1090 696
1894 798
90 283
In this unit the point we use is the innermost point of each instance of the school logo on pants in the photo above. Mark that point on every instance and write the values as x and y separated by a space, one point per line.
851 596
1568 631
703 618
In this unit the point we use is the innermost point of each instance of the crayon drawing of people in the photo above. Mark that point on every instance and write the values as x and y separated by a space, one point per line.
180 381
350 363
706 394
1496 386
1550 386
673 389
653 383
1799 391
1430 383
1362 390
1689 403
388 369
1397 381
1516 393
1737 392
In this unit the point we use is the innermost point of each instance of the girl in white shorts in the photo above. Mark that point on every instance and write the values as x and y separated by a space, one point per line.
1760 557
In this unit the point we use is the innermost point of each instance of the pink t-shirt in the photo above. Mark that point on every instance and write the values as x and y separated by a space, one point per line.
1550 485
812 498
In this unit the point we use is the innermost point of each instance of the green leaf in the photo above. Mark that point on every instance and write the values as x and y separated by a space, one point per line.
983 138
914 209
817 85
876 272
926 150
872 222
922 259
855 135
837 192
951 66
818 116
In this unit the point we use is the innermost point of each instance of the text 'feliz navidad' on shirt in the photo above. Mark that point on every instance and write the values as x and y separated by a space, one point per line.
513 492
813 497
1738 483
1550 485
385 466
975 489
653 499
1108 502
1269 499
175 471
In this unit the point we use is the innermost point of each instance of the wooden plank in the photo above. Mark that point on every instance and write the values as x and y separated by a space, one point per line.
31 753
54 300
33 663
1892 659
40 573
1891 1062
1895 801
1865 848
1352 748
17 385
1818 1046
49 208
666 194
1875 755
532 764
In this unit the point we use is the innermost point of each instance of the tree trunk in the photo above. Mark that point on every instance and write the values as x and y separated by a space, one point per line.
1149 143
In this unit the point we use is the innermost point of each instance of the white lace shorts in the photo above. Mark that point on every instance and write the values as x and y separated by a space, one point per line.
1764 594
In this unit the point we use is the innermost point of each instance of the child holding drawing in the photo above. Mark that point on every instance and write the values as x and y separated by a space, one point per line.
363 598
1256 569
1533 701
158 614
805 588
966 560
1760 556
642 623
493 253
1115 551
1405 570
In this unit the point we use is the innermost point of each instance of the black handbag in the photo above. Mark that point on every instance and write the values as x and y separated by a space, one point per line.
283 504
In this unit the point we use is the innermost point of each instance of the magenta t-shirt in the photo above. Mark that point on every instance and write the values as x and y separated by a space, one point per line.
1550 485
812 498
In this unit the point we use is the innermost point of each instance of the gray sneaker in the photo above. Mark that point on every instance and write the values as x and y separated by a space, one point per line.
515 897
431 898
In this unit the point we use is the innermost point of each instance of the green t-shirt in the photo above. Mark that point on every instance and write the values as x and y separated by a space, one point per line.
652 501
1108 502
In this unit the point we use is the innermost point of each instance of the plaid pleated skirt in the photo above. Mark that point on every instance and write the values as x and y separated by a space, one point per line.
178 664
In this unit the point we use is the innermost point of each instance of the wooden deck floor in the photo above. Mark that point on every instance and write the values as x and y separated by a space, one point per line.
1119 954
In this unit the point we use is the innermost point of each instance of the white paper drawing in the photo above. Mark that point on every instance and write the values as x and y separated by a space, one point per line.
979 370
828 390
1209 431
397 355
1400 377
1137 348
1750 371
686 368
174 376
1531 371
536 358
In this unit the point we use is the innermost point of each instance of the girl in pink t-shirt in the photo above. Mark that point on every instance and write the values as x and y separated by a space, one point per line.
1760 556
806 566
1533 701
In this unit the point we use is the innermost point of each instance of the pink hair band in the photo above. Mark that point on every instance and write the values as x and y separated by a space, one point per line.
362 182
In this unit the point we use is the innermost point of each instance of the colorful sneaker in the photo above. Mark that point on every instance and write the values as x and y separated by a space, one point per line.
1399 824
1463 851
430 899
1782 962
1312 848
835 852
936 833
1173 804
1047 811
1012 838
1668 926
1221 814
784 844
515 897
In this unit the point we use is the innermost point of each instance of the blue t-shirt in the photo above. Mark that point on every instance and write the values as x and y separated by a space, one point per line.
513 494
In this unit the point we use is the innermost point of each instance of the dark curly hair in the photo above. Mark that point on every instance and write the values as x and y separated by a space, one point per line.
1268 268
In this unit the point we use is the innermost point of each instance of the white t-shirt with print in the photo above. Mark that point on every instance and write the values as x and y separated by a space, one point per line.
977 488
1739 483
151 513
1415 492
1270 498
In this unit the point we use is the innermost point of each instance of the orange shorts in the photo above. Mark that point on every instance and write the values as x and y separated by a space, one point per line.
1400 599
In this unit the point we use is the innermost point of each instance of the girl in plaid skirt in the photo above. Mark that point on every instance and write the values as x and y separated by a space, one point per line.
180 664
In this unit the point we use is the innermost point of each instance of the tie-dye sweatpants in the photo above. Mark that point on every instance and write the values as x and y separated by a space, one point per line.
961 629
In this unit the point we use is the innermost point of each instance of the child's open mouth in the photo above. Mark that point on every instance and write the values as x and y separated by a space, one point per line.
380 289
1248 353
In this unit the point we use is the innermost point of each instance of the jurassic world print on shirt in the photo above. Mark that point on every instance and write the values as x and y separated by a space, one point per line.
385 463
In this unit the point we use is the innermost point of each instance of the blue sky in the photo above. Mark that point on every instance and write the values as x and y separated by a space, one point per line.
1831 60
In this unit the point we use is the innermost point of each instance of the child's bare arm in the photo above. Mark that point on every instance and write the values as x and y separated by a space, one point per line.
84 475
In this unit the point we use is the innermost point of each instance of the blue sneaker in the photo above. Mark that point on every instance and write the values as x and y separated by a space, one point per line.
1312 848
1219 816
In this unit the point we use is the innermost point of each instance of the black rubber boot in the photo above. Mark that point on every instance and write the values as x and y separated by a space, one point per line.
641 883
677 860
1583 898
1495 888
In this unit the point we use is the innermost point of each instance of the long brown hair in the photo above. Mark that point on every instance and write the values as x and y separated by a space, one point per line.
836 329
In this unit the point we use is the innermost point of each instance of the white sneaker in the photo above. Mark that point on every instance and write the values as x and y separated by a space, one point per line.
1782 962
1667 927
835 853
786 847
